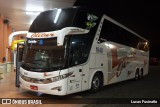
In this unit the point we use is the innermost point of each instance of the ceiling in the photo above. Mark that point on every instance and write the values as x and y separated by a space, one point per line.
21 13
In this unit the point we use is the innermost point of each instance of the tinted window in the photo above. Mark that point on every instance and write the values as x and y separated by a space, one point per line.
114 33
143 45
53 20
66 17
86 19
80 46
43 55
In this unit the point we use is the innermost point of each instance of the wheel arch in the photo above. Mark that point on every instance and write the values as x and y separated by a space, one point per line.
101 74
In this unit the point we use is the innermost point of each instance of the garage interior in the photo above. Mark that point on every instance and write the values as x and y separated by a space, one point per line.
17 15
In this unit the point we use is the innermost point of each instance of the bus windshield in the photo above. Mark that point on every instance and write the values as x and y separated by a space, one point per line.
58 19
53 20
43 55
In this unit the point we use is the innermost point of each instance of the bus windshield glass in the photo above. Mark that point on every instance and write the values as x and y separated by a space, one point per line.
43 55
58 19
53 20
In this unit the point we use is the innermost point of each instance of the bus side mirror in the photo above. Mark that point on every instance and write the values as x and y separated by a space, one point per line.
20 48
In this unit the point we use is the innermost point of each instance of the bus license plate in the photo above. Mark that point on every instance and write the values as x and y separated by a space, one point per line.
33 87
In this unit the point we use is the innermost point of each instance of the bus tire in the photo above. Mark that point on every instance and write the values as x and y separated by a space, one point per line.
96 83
141 74
137 75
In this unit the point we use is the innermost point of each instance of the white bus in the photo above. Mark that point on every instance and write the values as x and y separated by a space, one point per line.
68 50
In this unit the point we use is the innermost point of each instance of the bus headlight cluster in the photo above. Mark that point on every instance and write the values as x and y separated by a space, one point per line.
60 77
46 81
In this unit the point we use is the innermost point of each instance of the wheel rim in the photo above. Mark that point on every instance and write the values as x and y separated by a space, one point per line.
137 76
96 82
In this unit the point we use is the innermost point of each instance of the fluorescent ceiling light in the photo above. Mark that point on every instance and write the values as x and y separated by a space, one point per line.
34 8
32 13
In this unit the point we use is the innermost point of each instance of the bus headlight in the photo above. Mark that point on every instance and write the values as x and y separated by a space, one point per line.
53 79
60 77
45 81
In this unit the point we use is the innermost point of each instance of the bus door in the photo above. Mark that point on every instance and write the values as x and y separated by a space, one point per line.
75 60
19 56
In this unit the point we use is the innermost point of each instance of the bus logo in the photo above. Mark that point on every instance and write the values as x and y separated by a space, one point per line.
40 35
6 101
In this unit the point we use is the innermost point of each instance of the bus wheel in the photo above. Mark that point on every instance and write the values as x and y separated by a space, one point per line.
137 75
96 83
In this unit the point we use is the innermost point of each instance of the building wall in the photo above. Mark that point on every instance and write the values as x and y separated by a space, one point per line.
5 31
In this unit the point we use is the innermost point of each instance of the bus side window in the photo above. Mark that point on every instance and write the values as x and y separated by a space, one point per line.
20 48
85 50
143 45
110 32
79 49
75 53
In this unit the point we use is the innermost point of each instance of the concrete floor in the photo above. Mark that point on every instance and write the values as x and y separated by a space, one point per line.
8 90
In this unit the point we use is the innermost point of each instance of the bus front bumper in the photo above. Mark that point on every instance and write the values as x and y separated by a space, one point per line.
55 88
